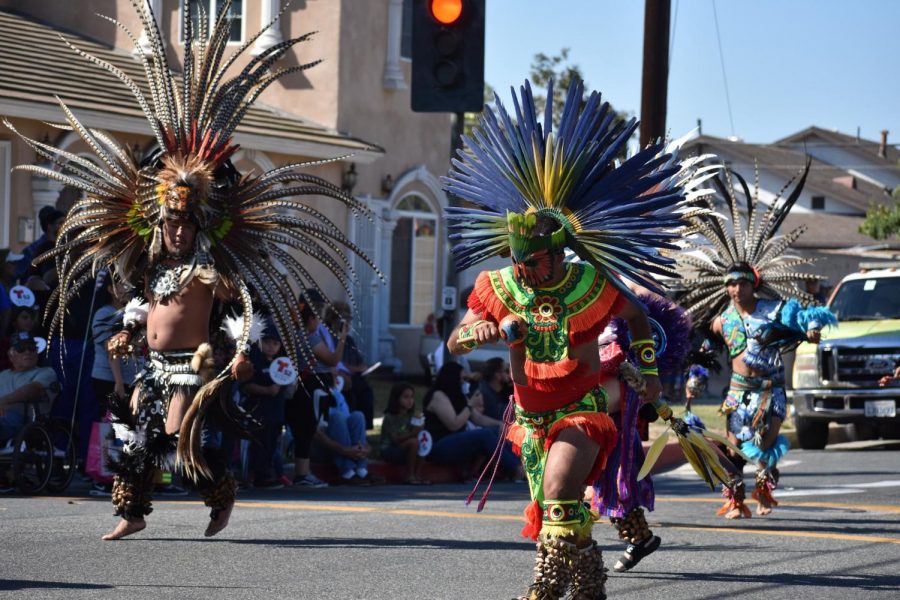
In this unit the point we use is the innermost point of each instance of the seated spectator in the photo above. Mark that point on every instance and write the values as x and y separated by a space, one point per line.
300 414
24 382
399 433
265 401
447 413
339 433
342 439
357 390
24 319
495 387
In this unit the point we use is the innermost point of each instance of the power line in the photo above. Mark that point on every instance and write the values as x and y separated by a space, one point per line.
672 35
722 61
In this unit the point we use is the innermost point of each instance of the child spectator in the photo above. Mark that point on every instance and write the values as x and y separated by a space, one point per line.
399 433
265 401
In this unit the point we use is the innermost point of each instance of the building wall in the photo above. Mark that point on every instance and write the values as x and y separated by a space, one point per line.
771 182
847 159
346 91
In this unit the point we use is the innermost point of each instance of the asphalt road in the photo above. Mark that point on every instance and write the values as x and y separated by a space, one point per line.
836 535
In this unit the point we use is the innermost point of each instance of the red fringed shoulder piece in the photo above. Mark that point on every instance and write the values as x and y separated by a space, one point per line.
588 324
484 301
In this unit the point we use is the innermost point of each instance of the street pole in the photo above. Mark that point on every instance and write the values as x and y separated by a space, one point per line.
451 278
654 87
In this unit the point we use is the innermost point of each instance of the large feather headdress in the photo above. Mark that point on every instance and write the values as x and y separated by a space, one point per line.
726 242
246 224
622 219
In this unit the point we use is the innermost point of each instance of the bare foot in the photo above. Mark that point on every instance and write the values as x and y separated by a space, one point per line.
763 510
220 522
735 513
125 527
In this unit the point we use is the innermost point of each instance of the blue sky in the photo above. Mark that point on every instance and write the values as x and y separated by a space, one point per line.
789 64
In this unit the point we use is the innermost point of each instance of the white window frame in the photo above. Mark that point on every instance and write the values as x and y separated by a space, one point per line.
407 5
211 12
434 217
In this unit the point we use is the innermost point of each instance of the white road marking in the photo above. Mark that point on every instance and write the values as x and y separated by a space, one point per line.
873 484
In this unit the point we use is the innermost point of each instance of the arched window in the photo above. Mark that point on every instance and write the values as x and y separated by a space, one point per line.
414 257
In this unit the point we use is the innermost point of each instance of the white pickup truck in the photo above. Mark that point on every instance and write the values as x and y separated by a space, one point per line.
837 381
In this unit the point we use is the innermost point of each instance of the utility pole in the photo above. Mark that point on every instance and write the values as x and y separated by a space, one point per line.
654 86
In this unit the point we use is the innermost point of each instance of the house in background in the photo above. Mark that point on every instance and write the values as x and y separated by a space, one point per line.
846 177
876 162
354 104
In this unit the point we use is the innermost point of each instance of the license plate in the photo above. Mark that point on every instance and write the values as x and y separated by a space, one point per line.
881 408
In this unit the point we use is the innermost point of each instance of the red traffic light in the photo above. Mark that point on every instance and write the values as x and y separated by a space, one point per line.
446 11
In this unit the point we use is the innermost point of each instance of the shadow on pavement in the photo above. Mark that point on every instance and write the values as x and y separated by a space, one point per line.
24 584
873 583
405 542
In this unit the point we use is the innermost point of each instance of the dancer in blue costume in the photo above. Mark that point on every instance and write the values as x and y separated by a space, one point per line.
758 318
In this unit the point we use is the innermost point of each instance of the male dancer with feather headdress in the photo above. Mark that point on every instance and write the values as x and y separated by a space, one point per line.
540 190
758 317
185 227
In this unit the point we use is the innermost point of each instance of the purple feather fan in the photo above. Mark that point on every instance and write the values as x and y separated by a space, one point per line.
671 327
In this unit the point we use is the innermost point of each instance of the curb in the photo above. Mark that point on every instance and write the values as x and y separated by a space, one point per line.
670 458
392 474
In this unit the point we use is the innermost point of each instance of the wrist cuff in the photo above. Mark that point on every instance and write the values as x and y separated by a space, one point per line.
466 336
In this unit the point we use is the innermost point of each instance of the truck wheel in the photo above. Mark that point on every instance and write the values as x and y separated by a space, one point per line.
890 431
865 431
812 435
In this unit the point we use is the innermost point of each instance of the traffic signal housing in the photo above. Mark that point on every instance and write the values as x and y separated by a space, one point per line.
448 56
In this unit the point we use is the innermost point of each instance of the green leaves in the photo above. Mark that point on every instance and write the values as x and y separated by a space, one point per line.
882 221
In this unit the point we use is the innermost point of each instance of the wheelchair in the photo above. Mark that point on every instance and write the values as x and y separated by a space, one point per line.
41 456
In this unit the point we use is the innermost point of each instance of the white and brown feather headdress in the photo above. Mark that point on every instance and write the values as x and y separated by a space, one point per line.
726 242
248 225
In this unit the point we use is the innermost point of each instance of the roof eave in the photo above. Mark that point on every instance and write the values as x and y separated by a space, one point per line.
39 111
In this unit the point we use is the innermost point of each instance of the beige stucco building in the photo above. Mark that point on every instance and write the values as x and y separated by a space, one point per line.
355 101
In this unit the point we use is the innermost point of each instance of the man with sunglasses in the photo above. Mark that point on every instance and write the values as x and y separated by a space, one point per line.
24 382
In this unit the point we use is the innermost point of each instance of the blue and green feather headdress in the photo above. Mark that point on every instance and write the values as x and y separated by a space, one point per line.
621 218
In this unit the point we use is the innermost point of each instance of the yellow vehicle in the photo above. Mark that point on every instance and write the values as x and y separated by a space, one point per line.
838 380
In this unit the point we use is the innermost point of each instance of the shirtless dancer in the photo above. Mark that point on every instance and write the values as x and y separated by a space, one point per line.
177 330
180 222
